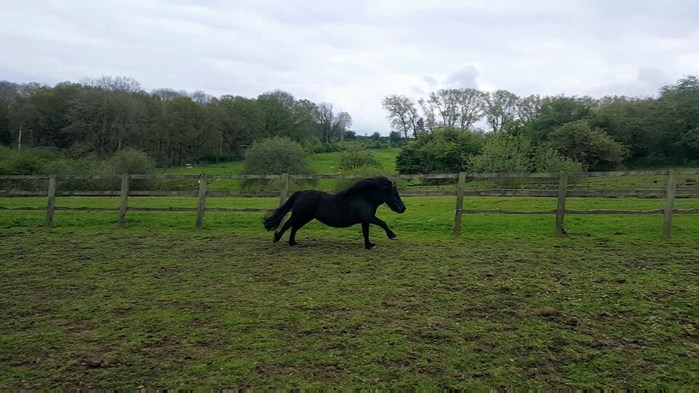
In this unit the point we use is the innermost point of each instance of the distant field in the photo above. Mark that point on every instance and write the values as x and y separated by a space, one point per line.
320 163
327 163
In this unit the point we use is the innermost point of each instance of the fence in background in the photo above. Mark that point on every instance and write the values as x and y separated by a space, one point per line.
670 192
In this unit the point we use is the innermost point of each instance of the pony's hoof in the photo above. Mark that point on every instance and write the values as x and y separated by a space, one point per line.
391 235
369 246
293 244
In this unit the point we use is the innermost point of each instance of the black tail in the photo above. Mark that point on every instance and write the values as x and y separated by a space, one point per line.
273 220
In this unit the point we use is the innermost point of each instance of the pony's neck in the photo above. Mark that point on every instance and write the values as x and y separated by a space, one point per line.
374 197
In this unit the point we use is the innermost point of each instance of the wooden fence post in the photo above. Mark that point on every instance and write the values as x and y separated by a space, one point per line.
51 207
124 199
561 208
459 202
669 202
284 191
201 207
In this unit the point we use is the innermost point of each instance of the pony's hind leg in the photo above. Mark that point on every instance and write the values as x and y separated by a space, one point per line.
278 234
296 224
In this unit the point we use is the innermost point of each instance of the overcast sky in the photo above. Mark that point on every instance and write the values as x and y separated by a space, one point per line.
353 53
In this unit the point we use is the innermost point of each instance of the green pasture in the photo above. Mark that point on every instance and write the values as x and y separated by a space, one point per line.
158 304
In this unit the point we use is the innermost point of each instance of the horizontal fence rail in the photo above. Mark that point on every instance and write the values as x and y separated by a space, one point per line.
670 192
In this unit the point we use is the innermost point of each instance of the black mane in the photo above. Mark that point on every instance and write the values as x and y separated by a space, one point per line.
364 184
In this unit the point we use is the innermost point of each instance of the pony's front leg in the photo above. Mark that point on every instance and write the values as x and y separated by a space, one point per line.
365 231
377 221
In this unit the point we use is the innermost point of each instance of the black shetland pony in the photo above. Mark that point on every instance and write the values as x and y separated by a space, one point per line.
354 205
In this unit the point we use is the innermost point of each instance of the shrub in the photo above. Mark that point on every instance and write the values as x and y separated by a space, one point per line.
326 148
24 165
357 162
547 159
274 156
353 159
590 146
443 151
82 167
504 153
30 161
130 161
216 158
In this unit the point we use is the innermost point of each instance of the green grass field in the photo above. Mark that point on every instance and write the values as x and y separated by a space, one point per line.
506 304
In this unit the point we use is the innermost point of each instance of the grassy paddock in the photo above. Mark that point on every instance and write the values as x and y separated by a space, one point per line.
158 304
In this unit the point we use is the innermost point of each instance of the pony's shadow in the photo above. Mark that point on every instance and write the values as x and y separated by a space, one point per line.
346 245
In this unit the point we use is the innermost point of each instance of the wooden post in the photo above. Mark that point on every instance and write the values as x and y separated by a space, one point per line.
670 202
284 191
201 207
51 207
561 208
123 207
459 202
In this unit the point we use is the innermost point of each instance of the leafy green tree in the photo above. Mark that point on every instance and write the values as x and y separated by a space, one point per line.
443 151
580 142
277 107
505 153
185 129
239 120
394 137
50 116
9 95
547 159
105 119
556 111
639 124
681 102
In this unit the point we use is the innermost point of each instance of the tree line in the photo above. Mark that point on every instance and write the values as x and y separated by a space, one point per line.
598 133
99 117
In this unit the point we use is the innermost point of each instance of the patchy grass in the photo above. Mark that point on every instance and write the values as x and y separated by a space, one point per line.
504 305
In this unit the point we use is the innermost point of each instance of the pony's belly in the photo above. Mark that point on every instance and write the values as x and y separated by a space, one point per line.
337 222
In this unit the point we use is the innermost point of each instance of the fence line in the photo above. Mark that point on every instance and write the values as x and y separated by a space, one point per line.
562 193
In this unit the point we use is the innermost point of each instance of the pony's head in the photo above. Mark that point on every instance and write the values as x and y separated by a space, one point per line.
392 197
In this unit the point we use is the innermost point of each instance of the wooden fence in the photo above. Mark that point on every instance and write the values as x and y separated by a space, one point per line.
670 192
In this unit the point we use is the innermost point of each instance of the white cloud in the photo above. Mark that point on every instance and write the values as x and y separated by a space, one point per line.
354 53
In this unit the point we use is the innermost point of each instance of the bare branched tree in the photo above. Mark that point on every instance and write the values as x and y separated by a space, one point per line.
402 114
